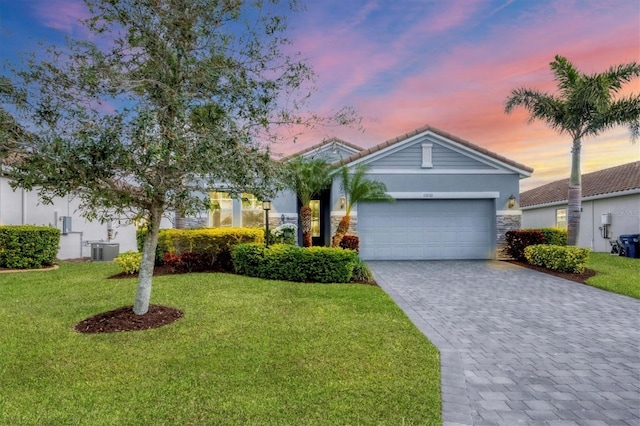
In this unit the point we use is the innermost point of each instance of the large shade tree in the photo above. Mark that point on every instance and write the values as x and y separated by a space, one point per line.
162 99
307 178
357 188
584 106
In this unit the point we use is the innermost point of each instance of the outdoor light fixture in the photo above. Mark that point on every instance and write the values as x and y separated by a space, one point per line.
266 206
343 201
512 202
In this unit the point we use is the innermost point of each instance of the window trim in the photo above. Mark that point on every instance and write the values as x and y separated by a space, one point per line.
561 224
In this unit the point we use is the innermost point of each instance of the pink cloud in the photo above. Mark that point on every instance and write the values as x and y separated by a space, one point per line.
63 15
463 90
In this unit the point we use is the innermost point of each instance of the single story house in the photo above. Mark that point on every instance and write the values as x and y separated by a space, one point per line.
610 206
454 200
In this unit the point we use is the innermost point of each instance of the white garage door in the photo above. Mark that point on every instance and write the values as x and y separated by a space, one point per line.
427 229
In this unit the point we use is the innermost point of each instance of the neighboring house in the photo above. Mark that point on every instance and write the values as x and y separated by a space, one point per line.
452 202
22 207
610 206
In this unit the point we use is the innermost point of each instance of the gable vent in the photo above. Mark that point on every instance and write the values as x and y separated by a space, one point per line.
426 155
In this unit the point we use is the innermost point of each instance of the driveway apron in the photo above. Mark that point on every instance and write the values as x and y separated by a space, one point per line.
521 347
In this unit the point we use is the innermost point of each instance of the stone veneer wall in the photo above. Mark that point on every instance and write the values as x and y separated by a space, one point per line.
335 221
505 223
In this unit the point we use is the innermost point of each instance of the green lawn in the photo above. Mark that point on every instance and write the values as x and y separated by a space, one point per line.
615 273
247 351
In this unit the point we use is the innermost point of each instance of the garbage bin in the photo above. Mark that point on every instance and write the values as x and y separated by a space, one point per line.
104 251
631 242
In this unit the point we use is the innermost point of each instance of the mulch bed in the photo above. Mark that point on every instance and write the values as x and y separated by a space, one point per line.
158 271
124 319
579 278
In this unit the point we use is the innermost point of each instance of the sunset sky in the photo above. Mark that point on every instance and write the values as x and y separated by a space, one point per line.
447 63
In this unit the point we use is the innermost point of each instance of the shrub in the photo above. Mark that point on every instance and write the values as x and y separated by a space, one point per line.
293 263
350 242
558 258
129 261
189 261
362 273
285 234
518 240
28 246
553 236
217 242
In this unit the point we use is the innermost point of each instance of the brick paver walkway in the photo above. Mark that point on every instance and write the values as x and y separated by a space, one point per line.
522 347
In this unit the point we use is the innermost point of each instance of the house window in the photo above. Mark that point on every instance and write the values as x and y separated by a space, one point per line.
561 218
426 155
221 210
315 217
252 213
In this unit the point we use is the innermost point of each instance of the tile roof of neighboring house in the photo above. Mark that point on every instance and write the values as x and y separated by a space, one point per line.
321 144
427 128
607 181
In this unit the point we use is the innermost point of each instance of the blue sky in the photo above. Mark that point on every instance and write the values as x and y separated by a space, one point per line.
447 63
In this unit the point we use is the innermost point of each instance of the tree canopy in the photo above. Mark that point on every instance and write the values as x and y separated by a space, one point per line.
164 99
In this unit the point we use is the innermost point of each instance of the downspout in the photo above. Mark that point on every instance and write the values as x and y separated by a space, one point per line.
24 207
593 226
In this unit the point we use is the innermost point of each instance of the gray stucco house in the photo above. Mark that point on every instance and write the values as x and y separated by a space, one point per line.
452 202
452 198
610 206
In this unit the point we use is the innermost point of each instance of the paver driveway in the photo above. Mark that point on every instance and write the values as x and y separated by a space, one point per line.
522 347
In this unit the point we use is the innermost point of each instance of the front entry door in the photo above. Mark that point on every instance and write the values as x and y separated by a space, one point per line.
320 219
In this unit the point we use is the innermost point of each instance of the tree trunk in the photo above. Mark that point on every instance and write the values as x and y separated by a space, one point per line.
341 231
305 219
143 294
179 221
574 198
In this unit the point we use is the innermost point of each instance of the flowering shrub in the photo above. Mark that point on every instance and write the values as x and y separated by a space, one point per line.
558 258
285 233
129 261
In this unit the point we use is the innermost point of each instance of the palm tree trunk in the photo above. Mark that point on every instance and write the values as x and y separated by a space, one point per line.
341 231
574 198
305 218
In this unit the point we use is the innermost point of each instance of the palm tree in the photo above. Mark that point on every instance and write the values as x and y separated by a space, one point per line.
307 177
585 106
356 188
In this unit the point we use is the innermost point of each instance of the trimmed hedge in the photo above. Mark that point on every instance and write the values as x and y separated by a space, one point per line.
28 246
216 242
517 241
558 258
293 263
553 236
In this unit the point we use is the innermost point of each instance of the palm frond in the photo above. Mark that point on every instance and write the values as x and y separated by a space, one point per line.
565 73
623 73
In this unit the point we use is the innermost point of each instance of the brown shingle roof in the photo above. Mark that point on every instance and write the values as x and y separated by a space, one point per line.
607 181
439 132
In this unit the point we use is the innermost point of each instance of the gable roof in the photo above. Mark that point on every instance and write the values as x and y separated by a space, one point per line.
324 144
608 181
424 129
